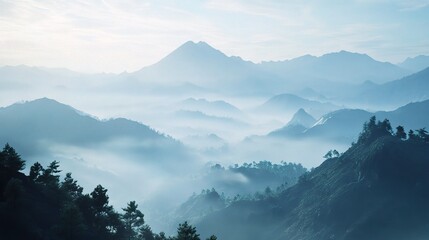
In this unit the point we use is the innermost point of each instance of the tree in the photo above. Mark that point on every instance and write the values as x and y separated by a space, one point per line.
372 130
70 186
36 171
187 232
50 176
411 135
212 237
146 233
71 222
400 132
423 134
11 159
133 220
100 200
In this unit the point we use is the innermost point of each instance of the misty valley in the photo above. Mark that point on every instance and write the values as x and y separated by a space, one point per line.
201 145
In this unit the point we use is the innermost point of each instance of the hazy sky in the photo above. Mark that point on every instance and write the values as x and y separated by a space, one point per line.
125 35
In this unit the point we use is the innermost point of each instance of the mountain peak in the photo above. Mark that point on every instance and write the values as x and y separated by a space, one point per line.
301 117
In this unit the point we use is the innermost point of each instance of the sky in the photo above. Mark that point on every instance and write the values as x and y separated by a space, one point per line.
126 35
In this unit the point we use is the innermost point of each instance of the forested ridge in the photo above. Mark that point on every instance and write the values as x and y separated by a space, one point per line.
42 206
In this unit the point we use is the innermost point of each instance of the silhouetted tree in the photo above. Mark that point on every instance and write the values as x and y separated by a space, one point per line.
400 132
71 222
70 187
146 233
373 130
187 232
133 220
11 159
36 171
13 191
212 237
50 176
423 134
411 135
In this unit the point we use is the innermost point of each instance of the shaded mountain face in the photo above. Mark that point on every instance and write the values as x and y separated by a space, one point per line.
375 190
344 125
412 88
415 64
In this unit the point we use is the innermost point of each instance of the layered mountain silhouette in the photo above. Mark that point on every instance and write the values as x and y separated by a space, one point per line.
342 67
415 64
28 125
194 67
411 88
286 103
375 190
344 125
217 108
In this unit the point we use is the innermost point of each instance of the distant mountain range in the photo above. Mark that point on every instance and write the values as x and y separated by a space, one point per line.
194 67
344 125
411 88
217 108
415 64
290 103
343 66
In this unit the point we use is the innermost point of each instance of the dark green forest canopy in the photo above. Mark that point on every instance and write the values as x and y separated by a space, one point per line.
41 206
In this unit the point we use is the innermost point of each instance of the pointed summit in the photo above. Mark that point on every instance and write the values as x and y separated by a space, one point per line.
301 117
194 52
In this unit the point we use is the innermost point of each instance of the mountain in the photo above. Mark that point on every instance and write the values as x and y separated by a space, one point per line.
375 190
205 66
28 125
300 121
344 125
411 88
286 103
340 67
415 64
217 108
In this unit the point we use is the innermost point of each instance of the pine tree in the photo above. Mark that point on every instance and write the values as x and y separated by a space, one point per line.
187 232
11 159
133 220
